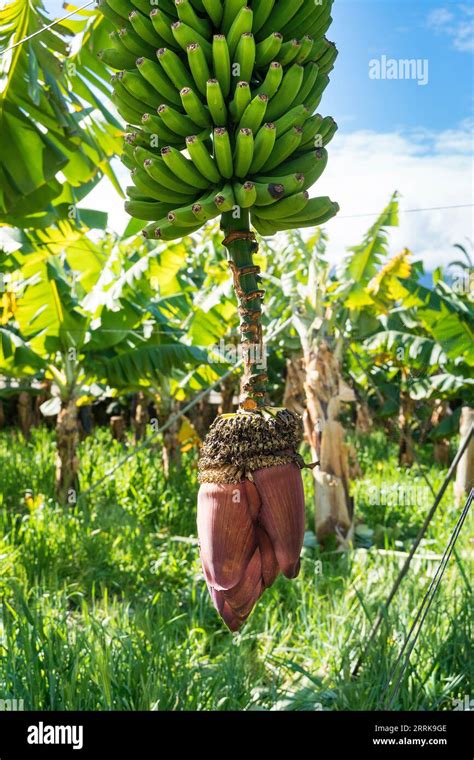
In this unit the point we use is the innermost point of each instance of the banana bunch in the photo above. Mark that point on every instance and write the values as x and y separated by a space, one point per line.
219 97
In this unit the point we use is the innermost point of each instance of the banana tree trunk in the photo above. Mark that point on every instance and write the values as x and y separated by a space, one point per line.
405 451
315 389
171 444
441 447
67 462
141 417
325 390
465 470
2 415
25 413
117 427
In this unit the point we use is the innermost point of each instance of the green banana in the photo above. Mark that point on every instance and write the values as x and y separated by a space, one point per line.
140 89
162 27
198 212
221 63
121 8
328 130
156 127
216 103
254 114
310 80
147 210
223 152
215 10
327 60
321 22
174 68
284 147
261 12
183 168
284 208
185 216
134 194
312 210
293 183
290 184
144 5
176 121
194 108
268 193
289 52
243 153
225 200
288 92
263 227
145 183
272 80
156 77
212 205
126 111
307 220
185 35
160 173
300 165
134 44
282 14
267 50
110 14
320 159
242 24
244 57
199 67
246 194
320 46
263 147
311 129
314 97
167 232
231 9
295 117
242 97
305 17
202 159
145 29
115 59
306 49
188 15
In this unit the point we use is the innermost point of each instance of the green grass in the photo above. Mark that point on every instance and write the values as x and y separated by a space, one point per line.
104 605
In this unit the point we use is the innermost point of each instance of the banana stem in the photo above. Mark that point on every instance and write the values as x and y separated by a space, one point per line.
241 245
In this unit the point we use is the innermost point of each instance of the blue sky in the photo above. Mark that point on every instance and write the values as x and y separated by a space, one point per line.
393 134
420 29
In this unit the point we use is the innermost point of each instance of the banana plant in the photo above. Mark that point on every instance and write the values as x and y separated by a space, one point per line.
220 99
90 325
339 317
51 119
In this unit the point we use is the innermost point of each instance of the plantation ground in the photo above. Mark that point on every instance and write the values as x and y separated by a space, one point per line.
105 607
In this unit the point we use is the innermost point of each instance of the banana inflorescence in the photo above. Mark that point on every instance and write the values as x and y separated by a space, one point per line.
219 98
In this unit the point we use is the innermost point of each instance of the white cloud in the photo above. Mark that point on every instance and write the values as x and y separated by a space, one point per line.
428 169
457 23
